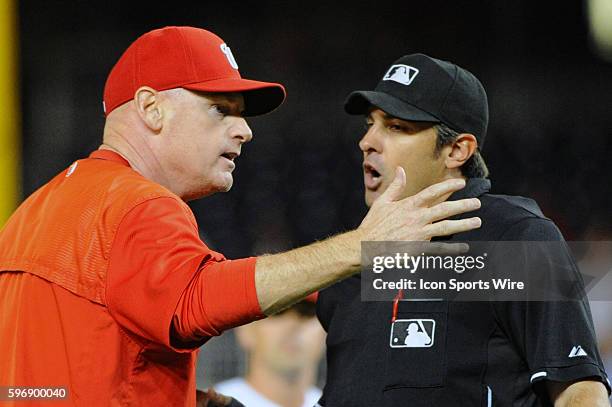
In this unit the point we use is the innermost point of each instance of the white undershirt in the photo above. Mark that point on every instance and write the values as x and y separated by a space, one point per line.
243 392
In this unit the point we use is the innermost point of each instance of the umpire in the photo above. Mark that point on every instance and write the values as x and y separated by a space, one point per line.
430 117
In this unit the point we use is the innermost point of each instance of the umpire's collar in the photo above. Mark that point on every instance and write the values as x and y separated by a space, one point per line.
474 187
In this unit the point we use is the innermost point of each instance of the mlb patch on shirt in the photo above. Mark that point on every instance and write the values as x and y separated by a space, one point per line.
413 333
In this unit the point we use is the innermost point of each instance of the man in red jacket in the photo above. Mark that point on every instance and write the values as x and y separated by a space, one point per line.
107 291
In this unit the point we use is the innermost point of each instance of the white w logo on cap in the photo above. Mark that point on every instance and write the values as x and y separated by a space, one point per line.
400 73
230 57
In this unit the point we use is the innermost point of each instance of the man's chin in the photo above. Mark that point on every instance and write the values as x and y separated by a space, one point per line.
223 186
225 183
226 187
289 368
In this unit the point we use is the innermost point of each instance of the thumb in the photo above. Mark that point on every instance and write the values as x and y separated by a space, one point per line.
396 188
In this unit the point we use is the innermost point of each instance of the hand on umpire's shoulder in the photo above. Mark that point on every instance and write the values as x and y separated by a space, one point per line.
419 217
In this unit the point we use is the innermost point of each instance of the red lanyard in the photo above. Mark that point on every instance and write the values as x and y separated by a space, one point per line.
396 301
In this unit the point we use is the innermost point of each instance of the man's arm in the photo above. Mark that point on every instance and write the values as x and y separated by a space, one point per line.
230 293
587 393
285 278
171 291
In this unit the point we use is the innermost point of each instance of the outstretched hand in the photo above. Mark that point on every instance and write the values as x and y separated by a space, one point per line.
419 217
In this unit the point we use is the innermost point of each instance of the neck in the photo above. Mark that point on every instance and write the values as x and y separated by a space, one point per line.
130 141
285 389
454 173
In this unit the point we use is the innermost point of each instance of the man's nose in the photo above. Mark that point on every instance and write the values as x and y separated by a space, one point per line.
241 130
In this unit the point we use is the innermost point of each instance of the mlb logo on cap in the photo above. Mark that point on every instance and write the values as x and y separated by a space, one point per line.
444 93
400 73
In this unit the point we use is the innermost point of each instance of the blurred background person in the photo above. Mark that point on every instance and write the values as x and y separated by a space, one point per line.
283 355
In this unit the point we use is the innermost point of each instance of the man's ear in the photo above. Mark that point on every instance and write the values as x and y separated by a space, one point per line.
149 109
462 149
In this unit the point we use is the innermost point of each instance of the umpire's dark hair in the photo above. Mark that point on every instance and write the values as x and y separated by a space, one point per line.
475 166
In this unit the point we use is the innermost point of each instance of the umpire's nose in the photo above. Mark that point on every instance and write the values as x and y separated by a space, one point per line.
370 141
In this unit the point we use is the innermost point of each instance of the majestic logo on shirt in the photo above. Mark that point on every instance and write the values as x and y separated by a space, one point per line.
71 169
412 333
400 73
577 351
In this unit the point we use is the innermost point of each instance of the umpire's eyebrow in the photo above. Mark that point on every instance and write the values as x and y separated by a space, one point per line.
386 116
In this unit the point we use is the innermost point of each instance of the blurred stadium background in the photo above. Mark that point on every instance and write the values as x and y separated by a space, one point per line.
547 67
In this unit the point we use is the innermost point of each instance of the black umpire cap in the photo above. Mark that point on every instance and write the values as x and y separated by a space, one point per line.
418 87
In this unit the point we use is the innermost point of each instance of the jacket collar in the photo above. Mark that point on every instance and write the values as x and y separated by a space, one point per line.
474 188
109 156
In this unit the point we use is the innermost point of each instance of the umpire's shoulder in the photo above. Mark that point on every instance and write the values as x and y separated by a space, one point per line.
515 218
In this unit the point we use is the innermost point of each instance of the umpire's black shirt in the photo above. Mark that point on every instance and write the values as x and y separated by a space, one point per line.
485 353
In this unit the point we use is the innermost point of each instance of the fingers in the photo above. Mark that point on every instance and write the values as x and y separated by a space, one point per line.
210 398
427 247
396 188
434 193
450 227
451 208
201 399
218 398
446 248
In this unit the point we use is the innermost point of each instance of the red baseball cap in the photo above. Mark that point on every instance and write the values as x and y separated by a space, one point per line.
190 58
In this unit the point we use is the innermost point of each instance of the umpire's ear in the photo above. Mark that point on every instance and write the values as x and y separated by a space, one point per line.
147 104
461 150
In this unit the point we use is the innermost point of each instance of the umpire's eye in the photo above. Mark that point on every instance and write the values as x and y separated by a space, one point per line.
395 127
